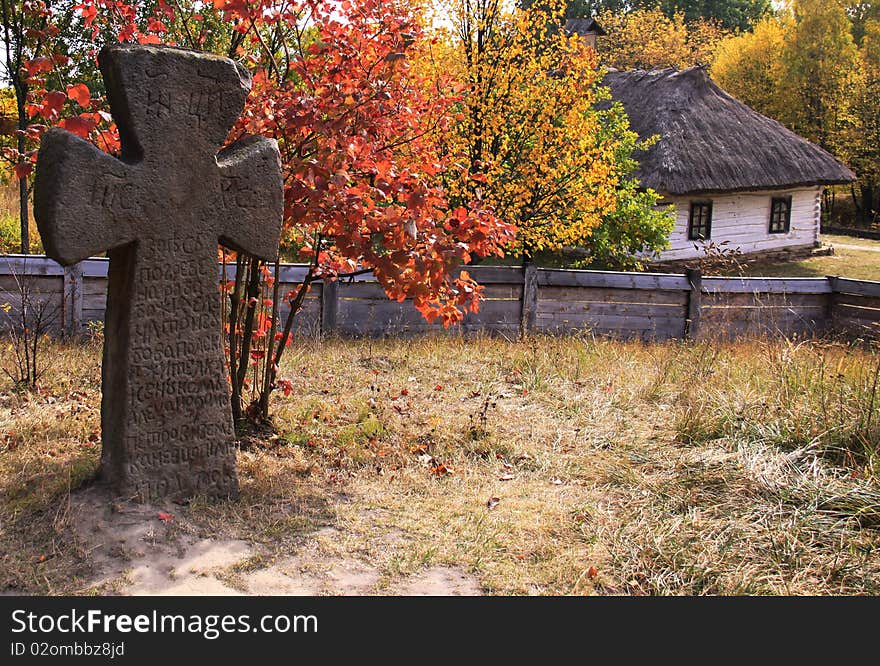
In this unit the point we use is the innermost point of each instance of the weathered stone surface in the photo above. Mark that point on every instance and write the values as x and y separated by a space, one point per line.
160 209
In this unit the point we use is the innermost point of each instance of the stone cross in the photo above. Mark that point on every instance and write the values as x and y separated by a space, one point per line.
159 209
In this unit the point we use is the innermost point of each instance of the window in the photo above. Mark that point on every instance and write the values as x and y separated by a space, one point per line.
700 221
780 215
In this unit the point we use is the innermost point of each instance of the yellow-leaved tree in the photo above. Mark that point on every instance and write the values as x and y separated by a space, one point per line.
650 39
858 138
531 141
805 69
749 66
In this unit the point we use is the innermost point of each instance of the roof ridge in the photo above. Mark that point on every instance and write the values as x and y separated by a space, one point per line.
710 140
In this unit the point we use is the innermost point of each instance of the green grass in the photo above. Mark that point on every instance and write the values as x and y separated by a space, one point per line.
855 258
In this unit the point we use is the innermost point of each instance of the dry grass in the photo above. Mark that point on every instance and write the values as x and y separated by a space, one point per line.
10 225
549 466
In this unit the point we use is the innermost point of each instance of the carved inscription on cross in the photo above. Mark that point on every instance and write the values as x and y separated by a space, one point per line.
160 209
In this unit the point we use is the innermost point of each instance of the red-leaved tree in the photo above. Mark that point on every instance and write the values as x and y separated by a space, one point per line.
356 126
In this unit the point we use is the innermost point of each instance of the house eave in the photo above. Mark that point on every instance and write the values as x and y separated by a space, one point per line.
754 188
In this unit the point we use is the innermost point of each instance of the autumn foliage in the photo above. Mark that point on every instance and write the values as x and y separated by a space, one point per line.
357 128
536 136
814 67
648 38
406 151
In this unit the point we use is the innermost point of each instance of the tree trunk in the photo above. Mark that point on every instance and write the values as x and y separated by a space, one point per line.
20 98
867 209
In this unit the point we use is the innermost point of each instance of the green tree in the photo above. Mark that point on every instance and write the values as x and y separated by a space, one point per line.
636 227
730 14
860 13
859 136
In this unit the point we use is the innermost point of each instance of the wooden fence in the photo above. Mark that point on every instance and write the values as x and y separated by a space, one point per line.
517 300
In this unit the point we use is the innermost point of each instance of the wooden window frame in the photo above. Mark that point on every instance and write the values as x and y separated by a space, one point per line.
775 219
705 221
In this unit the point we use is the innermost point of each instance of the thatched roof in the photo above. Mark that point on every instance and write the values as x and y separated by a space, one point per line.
711 142
584 26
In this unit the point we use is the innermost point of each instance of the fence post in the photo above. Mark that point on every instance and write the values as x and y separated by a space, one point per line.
529 314
72 300
694 303
832 298
329 305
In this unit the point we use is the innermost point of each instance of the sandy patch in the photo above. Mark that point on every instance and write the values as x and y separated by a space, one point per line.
139 550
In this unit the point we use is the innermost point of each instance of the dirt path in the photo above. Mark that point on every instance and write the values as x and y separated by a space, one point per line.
859 248
135 552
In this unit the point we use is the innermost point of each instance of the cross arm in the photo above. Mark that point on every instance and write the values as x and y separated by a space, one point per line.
83 198
251 197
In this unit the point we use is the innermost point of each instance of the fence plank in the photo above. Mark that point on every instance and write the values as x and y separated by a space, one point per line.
42 305
846 311
746 285
37 284
358 314
548 277
736 329
95 268
495 274
763 300
859 287
628 322
94 286
727 326
565 308
611 295
362 291
30 264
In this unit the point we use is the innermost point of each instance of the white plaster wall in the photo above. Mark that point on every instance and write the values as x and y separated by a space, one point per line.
744 220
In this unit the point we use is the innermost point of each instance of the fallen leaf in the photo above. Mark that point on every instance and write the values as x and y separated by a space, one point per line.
165 517
592 572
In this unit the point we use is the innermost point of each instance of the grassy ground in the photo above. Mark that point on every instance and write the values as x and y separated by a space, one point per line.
549 466
856 258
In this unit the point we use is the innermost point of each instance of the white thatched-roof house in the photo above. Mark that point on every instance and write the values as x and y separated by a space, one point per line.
733 174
